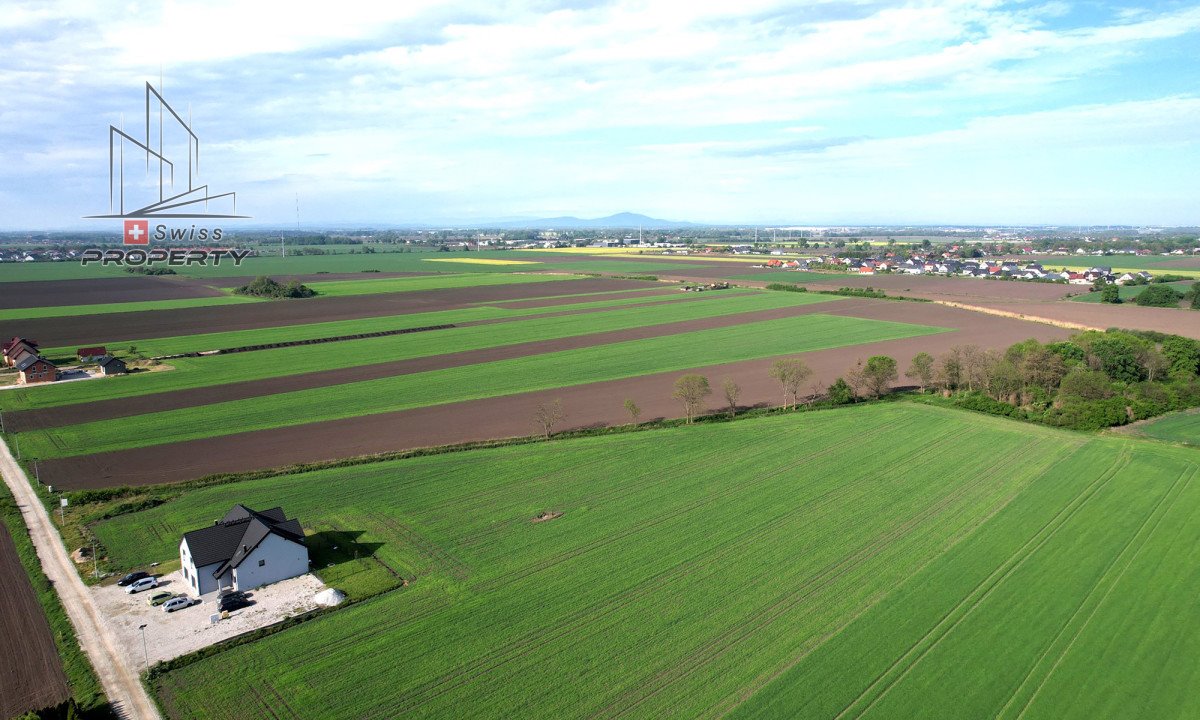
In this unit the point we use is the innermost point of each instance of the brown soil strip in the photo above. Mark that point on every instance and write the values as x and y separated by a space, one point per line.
31 675
1097 315
595 404
135 288
113 327
24 420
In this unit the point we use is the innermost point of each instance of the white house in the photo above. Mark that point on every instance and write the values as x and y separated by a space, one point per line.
243 550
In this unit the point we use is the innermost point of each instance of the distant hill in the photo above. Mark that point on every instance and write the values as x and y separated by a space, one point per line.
620 220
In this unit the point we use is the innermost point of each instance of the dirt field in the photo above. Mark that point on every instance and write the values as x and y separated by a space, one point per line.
21 421
170 635
113 327
1167 320
31 675
585 405
135 288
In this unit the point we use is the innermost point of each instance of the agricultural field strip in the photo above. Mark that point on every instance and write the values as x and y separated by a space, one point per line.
134 306
1061 645
768 338
743 632
1129 292
526 326
286 333
534 580
1180 427
919 650
343 288
359 358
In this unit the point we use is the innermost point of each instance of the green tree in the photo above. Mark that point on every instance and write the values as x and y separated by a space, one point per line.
1183 354
1111 294
1117 356
840 392
1159 296
1086 385
691 391
879 373
921 369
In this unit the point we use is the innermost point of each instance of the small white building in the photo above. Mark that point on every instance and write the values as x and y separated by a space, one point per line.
244 550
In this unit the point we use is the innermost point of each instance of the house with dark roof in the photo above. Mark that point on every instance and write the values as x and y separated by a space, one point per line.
35 369
16 347
110 365
243 550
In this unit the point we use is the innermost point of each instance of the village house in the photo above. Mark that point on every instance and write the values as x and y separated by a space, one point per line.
16 347
91 354
110 365
36 369
243 550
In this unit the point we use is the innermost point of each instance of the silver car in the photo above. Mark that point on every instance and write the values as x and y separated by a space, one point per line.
143 584
178 603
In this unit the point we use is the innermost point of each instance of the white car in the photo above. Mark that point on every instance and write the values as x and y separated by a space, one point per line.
178 603
143 584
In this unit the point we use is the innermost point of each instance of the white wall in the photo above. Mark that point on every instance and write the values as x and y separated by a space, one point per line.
282 559
200 580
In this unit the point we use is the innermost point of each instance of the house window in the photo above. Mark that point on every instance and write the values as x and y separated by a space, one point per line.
262 562
185 575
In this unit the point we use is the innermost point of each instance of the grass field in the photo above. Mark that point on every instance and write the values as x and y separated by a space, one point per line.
1180 427
1129 292
885 560
343 288
470 382
210 370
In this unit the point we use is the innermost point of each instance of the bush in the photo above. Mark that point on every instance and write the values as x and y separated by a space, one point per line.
785 287
265 287
1159 296
1111 294
840 393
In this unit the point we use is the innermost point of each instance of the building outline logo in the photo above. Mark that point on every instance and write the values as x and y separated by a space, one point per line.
117 138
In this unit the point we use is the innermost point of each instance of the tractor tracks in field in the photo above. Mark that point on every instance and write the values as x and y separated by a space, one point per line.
904 664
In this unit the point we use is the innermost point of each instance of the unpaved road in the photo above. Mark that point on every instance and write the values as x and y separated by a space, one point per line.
119 679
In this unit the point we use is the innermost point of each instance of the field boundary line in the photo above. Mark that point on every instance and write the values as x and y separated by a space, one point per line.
965 607
1137 551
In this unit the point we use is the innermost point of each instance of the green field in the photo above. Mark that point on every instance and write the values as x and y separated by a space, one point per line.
1129 292
1181 427
612 361
891 560
343 288
211 370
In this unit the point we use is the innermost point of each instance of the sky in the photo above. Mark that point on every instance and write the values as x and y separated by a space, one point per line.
758 111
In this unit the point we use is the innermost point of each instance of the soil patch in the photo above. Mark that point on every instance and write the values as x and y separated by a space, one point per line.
135 288
546 516
31 675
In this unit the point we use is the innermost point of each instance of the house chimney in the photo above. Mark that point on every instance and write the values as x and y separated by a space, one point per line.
244 548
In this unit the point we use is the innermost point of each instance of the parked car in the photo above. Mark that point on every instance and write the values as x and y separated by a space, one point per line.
178 603
232 601
132 577
159 598
144 584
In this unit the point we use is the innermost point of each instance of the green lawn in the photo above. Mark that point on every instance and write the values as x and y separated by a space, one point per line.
505 377
342 288
1129 292
1181 427
885 560
218 369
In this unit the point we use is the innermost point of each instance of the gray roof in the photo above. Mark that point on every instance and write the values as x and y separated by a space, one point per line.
108 360
235 536
28 360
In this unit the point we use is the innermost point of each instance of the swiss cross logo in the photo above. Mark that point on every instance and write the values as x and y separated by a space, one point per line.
137 232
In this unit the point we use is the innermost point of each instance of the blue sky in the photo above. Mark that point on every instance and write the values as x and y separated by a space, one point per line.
758 111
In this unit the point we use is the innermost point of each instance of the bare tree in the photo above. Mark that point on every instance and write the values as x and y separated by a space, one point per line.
856 378
816 392
732 393
974 366
634 411
547 416
791 374
691 391
921 369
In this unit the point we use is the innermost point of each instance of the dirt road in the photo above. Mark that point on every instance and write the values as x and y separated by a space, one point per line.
120 681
